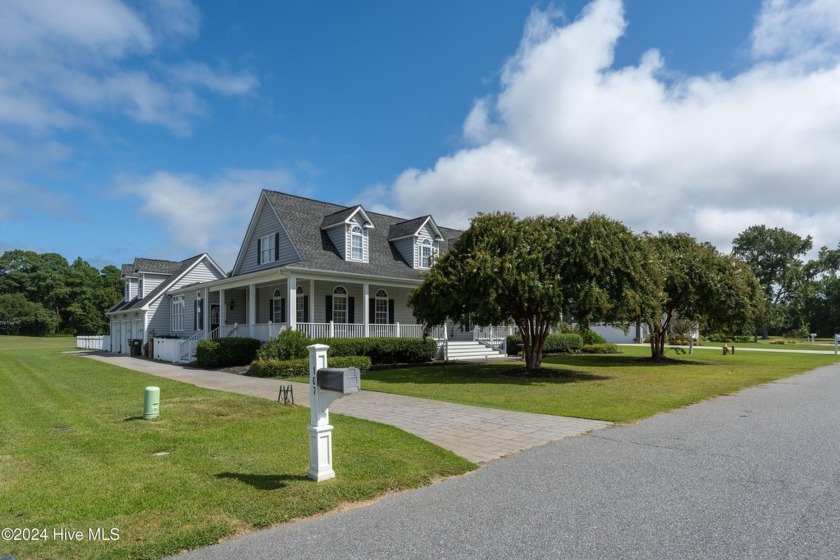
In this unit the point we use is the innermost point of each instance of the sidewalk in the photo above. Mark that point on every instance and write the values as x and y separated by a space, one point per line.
475 433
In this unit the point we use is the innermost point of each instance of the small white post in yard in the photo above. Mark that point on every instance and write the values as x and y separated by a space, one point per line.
836 340
325 386
320 430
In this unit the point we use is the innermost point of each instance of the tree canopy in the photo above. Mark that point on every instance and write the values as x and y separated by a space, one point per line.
65 298
774 254
699 284
527 271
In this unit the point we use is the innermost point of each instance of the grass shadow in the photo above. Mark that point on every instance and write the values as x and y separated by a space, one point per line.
264 481
618 360
501 373
132 418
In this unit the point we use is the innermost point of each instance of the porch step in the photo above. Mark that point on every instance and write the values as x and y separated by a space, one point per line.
464 350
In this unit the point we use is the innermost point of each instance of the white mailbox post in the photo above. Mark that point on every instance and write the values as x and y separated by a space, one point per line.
325 386
836 342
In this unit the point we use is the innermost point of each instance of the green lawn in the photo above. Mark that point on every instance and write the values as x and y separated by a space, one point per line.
75 454
820 345
619 388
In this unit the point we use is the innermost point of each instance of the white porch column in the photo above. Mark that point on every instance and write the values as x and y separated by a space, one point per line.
222 308
366 307
311 301
291 303
252 304
206 312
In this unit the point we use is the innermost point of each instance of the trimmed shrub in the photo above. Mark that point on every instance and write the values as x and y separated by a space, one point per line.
565 342
591 337
384 350
226 352
720 337
300 366
606 348
287 345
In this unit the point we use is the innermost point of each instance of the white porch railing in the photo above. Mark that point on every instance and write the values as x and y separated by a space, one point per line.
188 346
93 342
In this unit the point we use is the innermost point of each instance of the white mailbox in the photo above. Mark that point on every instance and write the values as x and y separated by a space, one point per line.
325 386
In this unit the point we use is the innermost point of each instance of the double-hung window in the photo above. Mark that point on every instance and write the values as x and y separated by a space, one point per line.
277 307
267 249
380 308
426 254
357 244
178 313
339 301
300 312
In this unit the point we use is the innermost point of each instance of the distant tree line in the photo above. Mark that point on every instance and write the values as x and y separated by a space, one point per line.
43 294
527 271
802 296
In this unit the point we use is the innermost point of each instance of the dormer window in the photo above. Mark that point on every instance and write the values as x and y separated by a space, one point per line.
127 290
357 244
426 253
140 288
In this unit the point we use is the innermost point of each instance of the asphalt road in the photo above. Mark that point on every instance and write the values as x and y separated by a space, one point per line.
753 475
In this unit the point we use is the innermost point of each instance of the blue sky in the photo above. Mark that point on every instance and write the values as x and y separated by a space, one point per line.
148 128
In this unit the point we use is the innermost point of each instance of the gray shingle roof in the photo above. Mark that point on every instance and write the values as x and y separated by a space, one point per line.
408 227
338 217
126 270
300 216
181 267
155 265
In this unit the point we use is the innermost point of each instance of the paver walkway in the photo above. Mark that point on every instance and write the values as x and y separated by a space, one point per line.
478 434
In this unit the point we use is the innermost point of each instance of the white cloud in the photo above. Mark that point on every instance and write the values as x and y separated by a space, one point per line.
806 29
570 133
199 212
62 63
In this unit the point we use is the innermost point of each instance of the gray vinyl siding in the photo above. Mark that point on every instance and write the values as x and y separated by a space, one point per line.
132 288
264 296
338 236
268 224
402 314
406 248
159 318
152 281
160 311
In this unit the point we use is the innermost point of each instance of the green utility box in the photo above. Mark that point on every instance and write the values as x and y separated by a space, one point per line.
151 403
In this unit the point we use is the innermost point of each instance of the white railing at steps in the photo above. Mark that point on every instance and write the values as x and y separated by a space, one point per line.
493 336
190 344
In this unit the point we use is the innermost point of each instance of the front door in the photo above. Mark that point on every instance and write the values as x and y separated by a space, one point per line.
214 317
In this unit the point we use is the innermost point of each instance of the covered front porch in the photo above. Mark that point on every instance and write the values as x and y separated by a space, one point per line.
260 306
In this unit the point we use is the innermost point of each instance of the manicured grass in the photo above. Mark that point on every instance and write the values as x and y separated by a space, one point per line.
820 345
75 454
618 387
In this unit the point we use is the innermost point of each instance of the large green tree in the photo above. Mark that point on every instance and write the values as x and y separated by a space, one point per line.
79 295
527 271
699 284
774 255
20 316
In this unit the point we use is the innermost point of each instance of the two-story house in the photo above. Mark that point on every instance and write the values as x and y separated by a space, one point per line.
146 307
